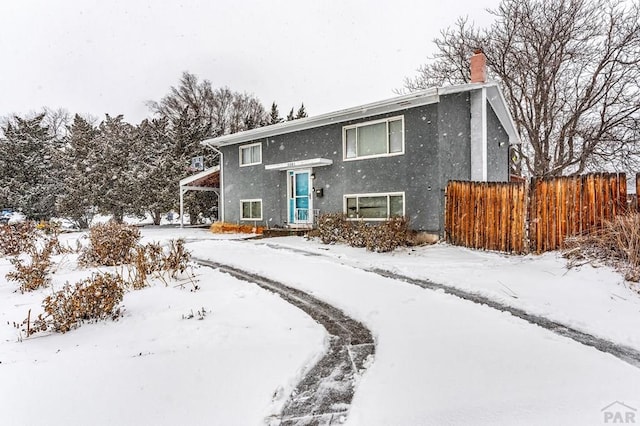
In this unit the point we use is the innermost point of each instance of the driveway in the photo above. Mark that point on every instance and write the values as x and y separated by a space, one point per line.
444 360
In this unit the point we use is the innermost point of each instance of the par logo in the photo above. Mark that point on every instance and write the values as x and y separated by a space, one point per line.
619 413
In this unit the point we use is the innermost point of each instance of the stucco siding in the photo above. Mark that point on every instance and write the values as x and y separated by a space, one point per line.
436 149
497 149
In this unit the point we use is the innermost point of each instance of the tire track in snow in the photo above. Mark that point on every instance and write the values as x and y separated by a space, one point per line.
324 395
622 352
625 353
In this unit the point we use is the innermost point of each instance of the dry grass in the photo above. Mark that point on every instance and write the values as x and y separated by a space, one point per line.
617 244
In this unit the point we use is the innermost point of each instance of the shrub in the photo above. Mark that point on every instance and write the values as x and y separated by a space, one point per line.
379 237
616 244
35 273
331 227
177 260
92 299
388 236
151 258
111 244
14 239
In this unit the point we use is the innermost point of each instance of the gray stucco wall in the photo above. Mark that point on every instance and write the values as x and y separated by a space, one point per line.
497 149
437 145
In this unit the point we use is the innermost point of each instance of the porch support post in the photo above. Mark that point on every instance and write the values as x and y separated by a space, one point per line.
181 207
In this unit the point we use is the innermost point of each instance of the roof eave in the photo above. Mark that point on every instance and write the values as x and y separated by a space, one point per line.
376 108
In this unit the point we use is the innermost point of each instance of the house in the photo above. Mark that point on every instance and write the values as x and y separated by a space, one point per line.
374 161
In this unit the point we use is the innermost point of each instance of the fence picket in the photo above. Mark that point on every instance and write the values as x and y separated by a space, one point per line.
496 216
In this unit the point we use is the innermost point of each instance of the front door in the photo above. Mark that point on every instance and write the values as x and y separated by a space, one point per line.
299 190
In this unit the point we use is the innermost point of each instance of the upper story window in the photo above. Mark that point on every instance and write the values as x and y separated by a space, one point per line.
251 154
374 138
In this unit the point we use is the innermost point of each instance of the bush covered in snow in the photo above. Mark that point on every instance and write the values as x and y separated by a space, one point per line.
111 244
380 237
14 239
92 299
33 272
152 258
32 245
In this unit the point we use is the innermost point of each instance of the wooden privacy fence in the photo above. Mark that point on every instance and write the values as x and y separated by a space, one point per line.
486 215
516 217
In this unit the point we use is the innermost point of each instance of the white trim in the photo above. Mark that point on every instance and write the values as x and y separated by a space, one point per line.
478 134
251 200
292 165
372 123
290 192
248 146
399 103
375 194
485 130
499 105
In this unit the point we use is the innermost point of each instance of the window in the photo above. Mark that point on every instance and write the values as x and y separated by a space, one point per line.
251 209
251 154
374 206
374 138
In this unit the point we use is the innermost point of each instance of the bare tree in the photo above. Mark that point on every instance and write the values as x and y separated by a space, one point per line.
570 71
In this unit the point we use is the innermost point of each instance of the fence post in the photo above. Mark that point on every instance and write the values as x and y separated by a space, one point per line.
637 189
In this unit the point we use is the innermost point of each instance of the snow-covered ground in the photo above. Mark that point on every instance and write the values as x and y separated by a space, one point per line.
439 359
155 365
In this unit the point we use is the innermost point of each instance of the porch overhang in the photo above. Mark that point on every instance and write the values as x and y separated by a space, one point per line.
300 164
206 180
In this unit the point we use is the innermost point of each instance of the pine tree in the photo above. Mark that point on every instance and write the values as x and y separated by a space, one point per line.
26 165
301 112
290 116
79 158
115 173
274 116
158 169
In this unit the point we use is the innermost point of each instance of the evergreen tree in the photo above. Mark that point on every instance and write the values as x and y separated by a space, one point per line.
158 168
195 111
301 112
115 174
26 165
274 115
79 159
290 116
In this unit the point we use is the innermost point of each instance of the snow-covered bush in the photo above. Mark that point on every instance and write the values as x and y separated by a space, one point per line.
14 239
330 228
32 247
34 272
379 237
152 259
387 236
111 244
92 299
177 260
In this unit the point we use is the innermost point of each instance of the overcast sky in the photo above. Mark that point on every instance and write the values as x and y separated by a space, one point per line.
111 56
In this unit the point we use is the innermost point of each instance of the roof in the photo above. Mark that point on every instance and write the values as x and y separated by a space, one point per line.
398 103
207 178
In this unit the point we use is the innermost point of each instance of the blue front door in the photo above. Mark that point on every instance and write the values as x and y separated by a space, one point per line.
299 197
